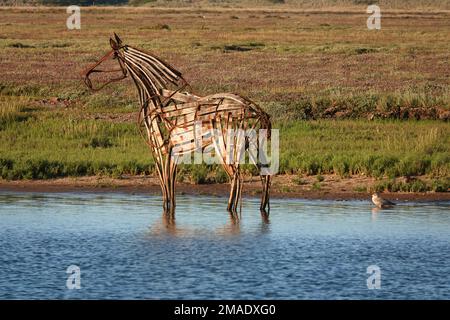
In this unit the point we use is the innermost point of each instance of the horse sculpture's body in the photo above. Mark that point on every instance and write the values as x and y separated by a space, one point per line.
172 116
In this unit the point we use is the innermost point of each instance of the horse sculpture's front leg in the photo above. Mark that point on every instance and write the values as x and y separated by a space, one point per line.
233 194
171 169
167 167
168 178
235 191
265 180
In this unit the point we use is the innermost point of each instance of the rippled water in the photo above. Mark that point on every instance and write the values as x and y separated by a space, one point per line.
126 248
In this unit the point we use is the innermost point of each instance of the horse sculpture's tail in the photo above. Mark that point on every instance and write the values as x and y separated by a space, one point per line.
265 124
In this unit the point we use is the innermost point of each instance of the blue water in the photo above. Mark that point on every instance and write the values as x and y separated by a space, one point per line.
127 249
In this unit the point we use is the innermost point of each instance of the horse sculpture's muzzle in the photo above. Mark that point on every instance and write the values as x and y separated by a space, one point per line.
92 69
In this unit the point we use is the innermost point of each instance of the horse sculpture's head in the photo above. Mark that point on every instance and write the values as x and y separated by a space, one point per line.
116 54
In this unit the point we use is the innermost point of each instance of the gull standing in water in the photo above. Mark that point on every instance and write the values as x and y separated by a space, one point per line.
380 202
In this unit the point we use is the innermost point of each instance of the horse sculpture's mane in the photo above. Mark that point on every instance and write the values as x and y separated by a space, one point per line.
154 73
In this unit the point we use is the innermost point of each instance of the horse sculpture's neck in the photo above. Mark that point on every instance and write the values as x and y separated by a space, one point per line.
151 75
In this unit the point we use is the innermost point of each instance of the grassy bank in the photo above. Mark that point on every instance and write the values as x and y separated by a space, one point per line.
42 142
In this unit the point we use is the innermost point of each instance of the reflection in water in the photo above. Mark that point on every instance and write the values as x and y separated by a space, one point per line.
265 217
168 226
374 215
265 222
377 210
232 227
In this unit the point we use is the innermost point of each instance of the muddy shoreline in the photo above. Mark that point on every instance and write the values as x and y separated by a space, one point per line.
281 189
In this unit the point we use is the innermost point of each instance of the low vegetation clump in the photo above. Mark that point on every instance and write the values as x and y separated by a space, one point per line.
377 149
45 169
436 185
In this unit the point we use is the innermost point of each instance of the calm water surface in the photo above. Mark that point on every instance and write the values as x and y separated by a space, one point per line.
127 249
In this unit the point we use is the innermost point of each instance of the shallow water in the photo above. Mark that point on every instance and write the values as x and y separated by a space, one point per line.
126 248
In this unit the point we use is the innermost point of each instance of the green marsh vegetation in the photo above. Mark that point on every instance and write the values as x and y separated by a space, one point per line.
38 142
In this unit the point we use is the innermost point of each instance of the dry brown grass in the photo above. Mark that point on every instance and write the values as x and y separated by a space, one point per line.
293 53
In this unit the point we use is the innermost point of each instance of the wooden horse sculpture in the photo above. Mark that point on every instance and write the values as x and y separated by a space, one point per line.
170 113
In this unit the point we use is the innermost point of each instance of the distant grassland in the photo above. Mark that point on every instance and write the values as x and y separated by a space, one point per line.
320 75
404 4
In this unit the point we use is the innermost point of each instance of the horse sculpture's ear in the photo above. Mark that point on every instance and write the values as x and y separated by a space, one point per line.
119 42
113 44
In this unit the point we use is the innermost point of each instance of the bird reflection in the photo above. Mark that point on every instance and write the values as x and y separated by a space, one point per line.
375 212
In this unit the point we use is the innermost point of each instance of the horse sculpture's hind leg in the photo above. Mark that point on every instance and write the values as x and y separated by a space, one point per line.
167 169
235 191
265 180
233 195
169 175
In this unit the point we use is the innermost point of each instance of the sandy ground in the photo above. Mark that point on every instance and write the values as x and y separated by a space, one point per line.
331 188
